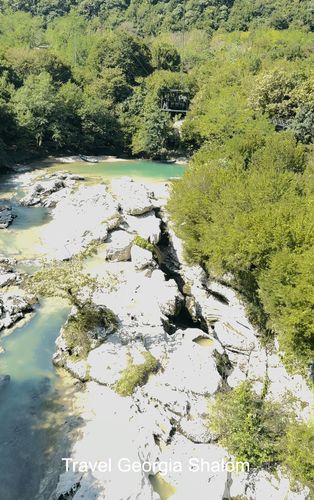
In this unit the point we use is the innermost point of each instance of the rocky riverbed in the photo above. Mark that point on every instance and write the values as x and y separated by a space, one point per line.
195 329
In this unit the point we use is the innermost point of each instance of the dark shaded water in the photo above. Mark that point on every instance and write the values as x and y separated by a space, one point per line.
23 437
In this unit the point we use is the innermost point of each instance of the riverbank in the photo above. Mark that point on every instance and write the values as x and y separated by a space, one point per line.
93 160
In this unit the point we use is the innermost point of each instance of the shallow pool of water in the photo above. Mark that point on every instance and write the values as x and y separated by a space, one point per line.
23 440
21 239
132 168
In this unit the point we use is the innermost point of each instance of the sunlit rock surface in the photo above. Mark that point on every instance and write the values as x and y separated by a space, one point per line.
147 226
166 418
134 197
13 307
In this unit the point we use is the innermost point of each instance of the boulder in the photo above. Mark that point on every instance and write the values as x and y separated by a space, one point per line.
194 480
134 299
7 274
7 278
49 190
190 368
13 307
281 383
41 190
75 177
195 430
236 377
134 197
141 258
169 298
81 218
273 487
104 413
118 246
6 216
68 485
234 336
147 226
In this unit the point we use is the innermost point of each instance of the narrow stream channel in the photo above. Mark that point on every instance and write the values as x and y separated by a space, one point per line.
23 440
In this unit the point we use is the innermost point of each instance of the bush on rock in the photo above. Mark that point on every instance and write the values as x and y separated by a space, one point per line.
142 243
81 329
250 427
297 452
136 375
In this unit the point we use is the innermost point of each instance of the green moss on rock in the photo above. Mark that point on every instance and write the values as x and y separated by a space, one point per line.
136 375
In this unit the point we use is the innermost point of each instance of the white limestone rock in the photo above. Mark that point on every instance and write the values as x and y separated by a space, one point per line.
196 430
8 275
190 369
80 219
134 197
41 190
147 226
50 190
190 483
236 377
68 484
7 278
261 485
79 369
266 485
141 258
282 383
169 298
234 336
104 413
134 300
118 246
13 307
108 361
6 215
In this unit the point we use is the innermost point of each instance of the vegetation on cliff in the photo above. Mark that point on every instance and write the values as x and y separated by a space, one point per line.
245 205
263 432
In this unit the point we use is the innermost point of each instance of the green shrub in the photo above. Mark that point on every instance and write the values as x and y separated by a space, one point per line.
297 452
255 223
77 338
142 243
64 280
250 427
79 329
287 292
136 375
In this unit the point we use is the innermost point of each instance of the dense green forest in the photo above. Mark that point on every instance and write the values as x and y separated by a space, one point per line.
90 76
